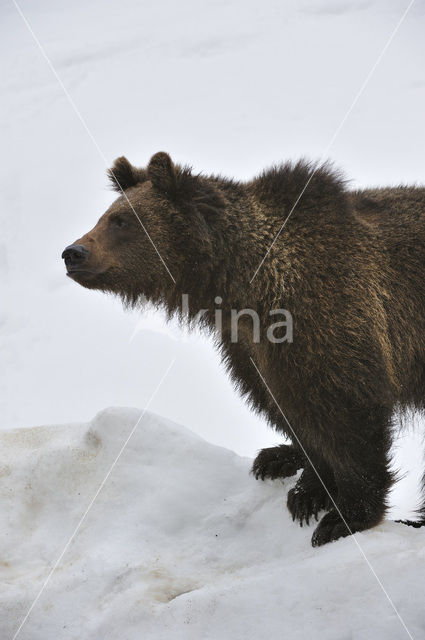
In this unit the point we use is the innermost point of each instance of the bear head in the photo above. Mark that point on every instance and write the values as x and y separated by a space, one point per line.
158 233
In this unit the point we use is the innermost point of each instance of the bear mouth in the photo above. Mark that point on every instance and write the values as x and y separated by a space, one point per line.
75 273
89 278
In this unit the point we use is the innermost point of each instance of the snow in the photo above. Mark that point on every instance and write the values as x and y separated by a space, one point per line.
181 543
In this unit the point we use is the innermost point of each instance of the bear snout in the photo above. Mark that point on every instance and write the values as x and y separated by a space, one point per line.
74 255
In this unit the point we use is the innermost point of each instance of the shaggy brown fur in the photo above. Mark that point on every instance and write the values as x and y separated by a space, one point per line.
350 268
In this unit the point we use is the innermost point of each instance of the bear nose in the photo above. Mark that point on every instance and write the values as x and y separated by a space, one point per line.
74 254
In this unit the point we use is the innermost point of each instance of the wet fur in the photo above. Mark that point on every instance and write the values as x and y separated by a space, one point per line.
348 265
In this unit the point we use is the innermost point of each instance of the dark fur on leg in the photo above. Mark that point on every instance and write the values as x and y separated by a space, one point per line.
277 462
362 486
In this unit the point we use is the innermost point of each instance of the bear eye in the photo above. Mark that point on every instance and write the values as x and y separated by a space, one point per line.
118 221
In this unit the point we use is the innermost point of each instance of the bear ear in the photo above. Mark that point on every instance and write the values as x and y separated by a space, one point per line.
162 173
123 175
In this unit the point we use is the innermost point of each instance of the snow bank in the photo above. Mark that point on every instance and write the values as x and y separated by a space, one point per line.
181 543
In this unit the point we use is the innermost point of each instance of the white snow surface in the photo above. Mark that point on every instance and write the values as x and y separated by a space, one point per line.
182 543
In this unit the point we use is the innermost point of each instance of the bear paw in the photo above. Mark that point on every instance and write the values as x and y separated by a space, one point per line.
305 503
331 527
277 462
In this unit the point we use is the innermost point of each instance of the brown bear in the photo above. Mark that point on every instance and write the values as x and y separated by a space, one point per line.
349 268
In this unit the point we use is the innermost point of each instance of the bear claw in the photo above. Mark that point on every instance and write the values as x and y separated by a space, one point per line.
304 505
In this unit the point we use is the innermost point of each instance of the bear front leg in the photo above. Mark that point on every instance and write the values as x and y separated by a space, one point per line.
362 476
277 462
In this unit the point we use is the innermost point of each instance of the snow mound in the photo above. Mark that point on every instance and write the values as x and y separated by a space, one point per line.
181 543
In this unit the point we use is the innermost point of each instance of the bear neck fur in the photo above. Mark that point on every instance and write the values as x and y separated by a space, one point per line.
242 220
